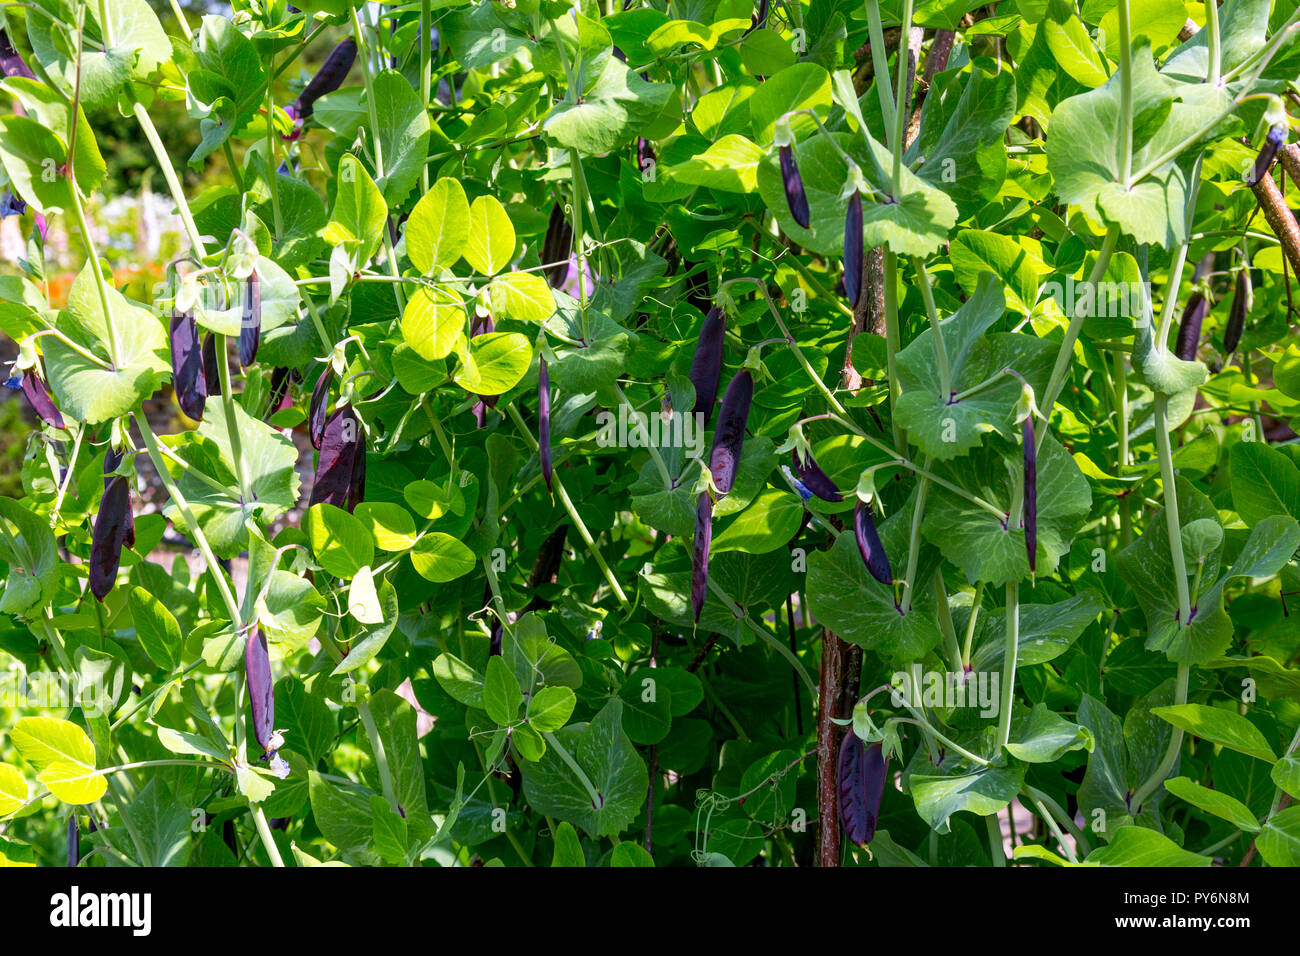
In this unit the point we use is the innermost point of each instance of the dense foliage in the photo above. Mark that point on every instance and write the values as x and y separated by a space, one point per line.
993 524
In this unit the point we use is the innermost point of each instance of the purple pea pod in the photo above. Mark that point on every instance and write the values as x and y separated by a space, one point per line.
357 485
111 530
211 370
482 326
853 249
1237 313
112 459
336 466
1031 491
815 480
556 247
74 840
861 779
327 79
189 381
250 329
794 192
11 64
700 553
320 402
261 701
1189 330
760 17
729 438
1264 161
706 364
645 157
39 398
869 544
494 642
544 420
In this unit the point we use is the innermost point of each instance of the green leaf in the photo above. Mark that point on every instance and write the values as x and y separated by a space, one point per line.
956 785
1219 726
1264 482
1138 846
977 540
156 627
1286 774
611 766
568 847
609 113
438 228
98 391
269 460
522 296
459 680
160 825
1213 802
729 165
501 694
767 524
403 135
550 708
439 558
13 789
491 240
30 552
945 427
1279 841
341 812
630 854
433 322
847 599
340 542
1040 736
496 362
357 220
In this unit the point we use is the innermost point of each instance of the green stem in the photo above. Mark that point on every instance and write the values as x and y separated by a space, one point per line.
232 424
900 101
940 348
1066 353
649 446
892 344
970 624
1079 837
573 512
576 768
271 174
1160 407
1171 752
1213 43
914 544
997 849
1056 831
381 756
1126 95
1009 655
169 173
880 63
946 627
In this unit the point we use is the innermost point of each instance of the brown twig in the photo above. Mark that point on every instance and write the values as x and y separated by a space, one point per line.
829 693
1279 217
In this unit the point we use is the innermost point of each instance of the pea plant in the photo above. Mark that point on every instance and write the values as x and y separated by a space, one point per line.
672 432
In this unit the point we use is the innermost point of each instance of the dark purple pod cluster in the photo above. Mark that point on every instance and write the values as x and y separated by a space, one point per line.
11 64
1031 491
38 397
700 553
250 328
1267 153
319 407
645 157
556 247
341 466
327 79
189 380
861 772
261 700
544 420
853 249
729 438
113 525
706 364
814 479
1237 312
795 196
869 544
